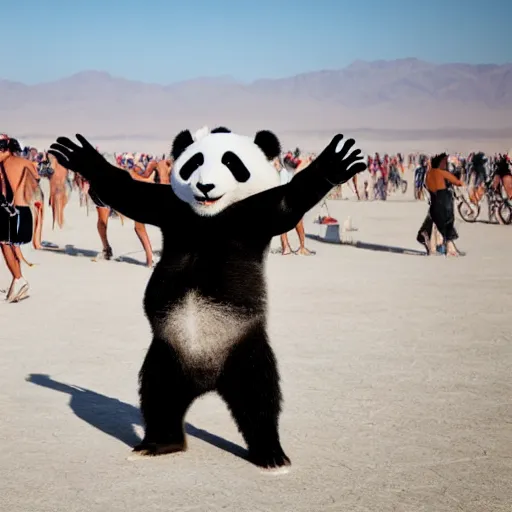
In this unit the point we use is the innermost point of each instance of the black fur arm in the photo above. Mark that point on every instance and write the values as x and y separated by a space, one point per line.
147 203
280 209
142 202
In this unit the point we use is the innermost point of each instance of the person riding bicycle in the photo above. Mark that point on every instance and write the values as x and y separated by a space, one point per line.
503 176
477 177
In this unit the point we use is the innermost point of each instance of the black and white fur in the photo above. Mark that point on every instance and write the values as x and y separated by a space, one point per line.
207 299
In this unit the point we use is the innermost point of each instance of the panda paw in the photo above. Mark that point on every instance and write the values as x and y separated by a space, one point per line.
339 162
270 460
81 159
151 449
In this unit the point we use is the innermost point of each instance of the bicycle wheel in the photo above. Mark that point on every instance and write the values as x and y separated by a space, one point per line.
403 186
468 212
505 212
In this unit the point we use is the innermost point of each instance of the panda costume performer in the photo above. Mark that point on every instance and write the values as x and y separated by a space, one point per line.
206 299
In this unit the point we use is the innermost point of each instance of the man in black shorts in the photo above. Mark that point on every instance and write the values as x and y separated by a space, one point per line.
16 223
104 212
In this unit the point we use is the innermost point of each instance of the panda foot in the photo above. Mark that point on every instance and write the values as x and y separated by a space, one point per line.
270 460
153 449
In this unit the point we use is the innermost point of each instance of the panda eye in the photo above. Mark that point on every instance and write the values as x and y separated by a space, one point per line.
191 165
236 166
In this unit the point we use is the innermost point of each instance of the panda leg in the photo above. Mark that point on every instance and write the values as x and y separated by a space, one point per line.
249 384
165 395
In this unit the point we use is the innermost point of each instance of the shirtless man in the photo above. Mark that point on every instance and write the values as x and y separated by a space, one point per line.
437 181
162 168
18 182
58 191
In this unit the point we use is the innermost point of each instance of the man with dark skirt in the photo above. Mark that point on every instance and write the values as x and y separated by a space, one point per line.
438 181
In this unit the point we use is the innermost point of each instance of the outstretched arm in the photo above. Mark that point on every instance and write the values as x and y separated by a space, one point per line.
451 178
280 209
150 169
142 202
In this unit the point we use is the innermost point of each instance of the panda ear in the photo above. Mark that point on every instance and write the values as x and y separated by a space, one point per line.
181 142
268 143
221 129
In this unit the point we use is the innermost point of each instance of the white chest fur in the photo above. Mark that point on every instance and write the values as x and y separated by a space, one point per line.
202 332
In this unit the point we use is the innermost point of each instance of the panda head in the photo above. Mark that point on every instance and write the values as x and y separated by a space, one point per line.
220 168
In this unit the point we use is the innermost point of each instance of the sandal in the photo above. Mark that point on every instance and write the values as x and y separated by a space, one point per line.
18 291
106 255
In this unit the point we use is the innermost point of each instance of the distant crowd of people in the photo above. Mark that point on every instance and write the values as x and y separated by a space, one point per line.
22 199
477 170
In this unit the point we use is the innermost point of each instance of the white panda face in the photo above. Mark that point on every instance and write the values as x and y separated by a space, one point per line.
220 169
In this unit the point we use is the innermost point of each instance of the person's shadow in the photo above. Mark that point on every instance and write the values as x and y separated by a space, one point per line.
118 419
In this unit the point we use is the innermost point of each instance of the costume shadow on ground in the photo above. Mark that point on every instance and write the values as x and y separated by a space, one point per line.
71 250
369 247
118 419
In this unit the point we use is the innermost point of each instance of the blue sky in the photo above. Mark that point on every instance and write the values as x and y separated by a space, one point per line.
167 41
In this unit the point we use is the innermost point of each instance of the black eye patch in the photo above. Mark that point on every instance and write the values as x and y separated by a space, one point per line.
191 165
236 166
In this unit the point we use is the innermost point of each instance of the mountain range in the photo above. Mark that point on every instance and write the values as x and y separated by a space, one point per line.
391 98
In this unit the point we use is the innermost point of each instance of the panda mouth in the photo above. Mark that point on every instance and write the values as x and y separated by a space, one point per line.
207 201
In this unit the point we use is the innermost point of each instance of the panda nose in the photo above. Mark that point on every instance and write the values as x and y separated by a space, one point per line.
205 187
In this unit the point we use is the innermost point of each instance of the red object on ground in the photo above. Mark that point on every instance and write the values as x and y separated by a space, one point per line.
327 220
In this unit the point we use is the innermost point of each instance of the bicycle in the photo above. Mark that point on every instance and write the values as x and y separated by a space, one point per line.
468 211
499 209
505 211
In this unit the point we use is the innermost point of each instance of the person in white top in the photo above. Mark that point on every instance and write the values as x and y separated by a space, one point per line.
286 176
